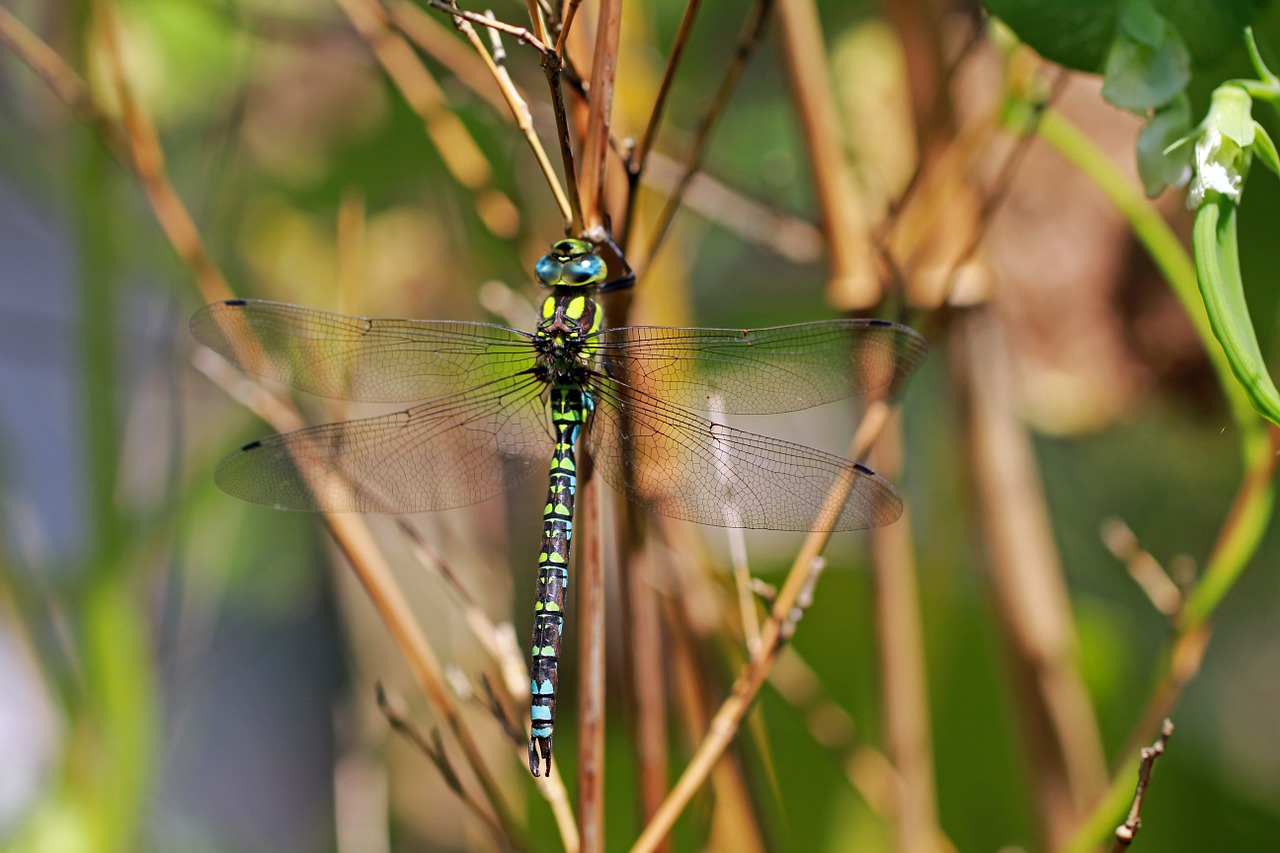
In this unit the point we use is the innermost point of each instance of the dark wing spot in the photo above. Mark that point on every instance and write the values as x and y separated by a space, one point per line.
858 466
236 303
878 322
253 445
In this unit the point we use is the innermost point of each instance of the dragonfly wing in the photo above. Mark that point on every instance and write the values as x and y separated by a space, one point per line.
682 466
452 452
762 371
352 358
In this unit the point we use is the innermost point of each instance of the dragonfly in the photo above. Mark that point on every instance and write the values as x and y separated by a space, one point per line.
492 404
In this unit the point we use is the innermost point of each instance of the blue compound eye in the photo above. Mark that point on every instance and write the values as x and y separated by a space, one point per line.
584 270
547 269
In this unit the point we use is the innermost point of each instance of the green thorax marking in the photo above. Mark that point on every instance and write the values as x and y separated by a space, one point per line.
570 314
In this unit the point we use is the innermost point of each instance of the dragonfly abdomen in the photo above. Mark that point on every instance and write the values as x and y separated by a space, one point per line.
569 408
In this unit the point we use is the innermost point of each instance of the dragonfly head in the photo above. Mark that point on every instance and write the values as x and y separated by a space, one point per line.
571 263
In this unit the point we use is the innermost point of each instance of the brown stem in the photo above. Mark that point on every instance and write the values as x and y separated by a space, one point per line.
854 282
1127 831
904 690
753 32
595 148
591 640
1059 728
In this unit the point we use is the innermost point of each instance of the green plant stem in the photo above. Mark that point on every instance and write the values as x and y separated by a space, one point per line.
109 779
1242 532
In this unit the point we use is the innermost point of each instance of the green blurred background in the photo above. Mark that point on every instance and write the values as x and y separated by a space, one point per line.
183 672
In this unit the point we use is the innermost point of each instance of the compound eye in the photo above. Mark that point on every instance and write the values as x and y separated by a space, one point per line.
584 270
547 269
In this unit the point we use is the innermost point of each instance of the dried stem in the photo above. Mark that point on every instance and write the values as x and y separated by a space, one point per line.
854 282
591 643
748 41
1127 831
904 682
1063 744
595 147
148 161
434 749
638 162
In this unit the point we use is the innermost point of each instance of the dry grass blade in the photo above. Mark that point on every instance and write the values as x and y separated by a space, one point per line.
903 679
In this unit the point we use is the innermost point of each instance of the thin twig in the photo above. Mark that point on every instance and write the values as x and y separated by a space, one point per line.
414 23
1145 569
1127 831
638 162
570 13
434 750
748 41
521 33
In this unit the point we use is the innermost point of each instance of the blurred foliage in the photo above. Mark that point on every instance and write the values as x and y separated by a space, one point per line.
195 692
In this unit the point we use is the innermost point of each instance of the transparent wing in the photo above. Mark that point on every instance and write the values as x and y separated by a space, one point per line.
685 467
762 371
352 358
452 452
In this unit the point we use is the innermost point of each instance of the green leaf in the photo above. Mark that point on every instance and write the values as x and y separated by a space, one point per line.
1141 22
1161 162
1265 149
1148 73
1079 34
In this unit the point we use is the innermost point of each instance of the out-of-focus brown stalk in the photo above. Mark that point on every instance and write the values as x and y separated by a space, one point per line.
416 25
868 770
734 820
904 687
441 44
918 24
148 160
748 42
459 152
648 668
854 282
1063 746
724 725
